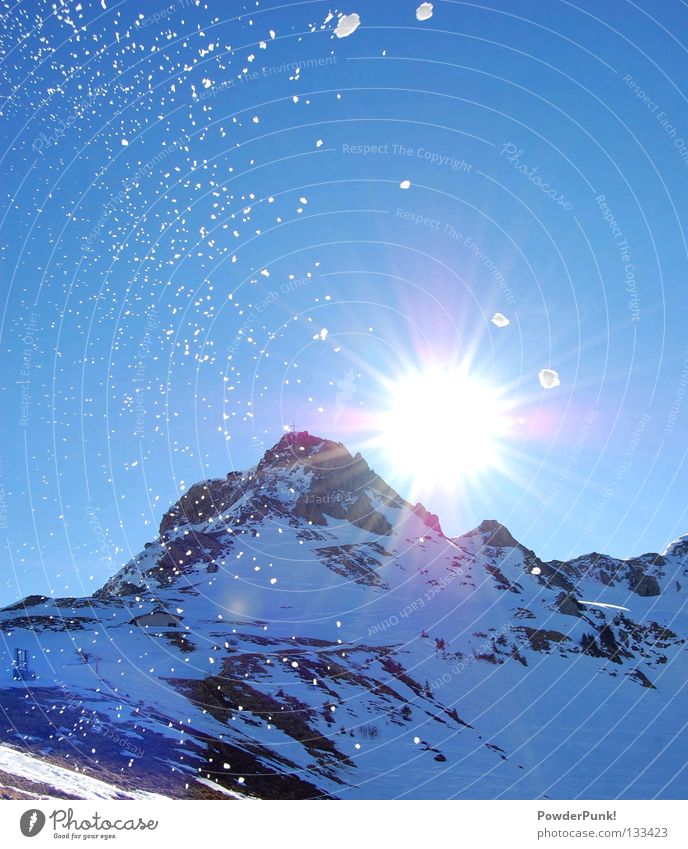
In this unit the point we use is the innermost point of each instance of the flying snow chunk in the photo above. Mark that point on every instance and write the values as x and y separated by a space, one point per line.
347 24
548 378
605 605
405 184
323 333
536 570
424 12
500 320
124 143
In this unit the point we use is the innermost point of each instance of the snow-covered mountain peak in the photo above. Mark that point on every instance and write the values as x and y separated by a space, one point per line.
302 475
493 533
302 448
301 484
677 548
308 629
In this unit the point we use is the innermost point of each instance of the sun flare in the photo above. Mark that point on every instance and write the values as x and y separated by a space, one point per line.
440 427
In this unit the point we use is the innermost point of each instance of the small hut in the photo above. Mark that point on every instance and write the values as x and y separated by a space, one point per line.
157 618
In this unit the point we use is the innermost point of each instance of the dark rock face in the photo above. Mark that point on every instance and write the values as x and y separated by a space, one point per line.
679 548
363 515
355 562
203 501
430 519
502 582
642 678
555 577
119 589
340 483
337 488
644 585
641 574
29 601
182 553
568 604
542 638
499 536
302 448
334 468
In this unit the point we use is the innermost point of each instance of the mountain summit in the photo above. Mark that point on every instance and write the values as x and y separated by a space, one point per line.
299 629
302 476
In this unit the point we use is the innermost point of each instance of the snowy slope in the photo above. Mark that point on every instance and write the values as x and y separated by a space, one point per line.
327 639
23 776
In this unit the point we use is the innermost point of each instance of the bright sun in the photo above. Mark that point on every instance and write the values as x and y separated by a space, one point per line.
440 427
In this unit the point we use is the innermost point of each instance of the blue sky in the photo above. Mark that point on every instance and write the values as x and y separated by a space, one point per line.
184 212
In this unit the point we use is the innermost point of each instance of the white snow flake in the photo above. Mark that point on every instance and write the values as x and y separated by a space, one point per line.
424 12
347 24
548 378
